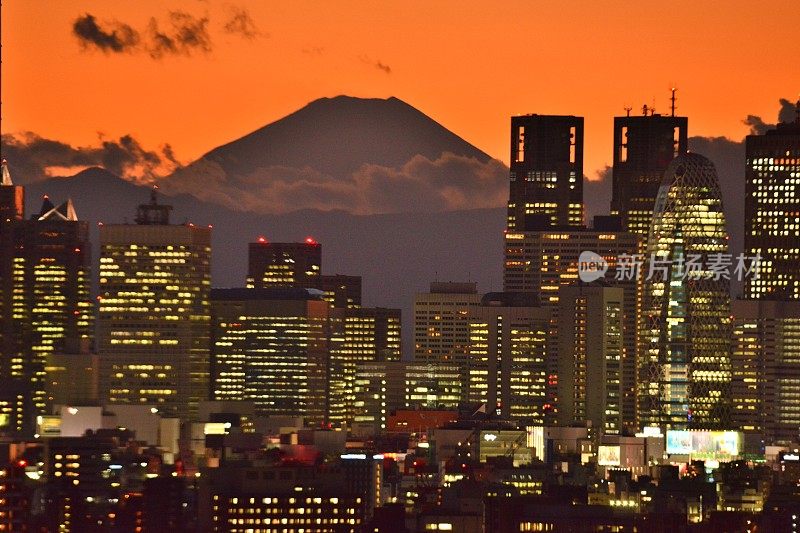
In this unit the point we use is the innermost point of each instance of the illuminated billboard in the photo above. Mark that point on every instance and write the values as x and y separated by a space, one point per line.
712 444
608 456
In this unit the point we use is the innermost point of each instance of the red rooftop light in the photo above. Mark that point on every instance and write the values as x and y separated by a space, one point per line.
310 240
262 239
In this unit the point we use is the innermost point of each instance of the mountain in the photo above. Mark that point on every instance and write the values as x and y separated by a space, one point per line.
336 136
363 156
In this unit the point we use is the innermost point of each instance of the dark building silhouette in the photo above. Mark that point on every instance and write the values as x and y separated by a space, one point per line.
12 197
284 264
772 212
546 179
643 147
45 306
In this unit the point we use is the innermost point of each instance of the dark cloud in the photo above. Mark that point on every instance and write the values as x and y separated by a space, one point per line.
182 34
378 64
597 194
187 34
241 23
115 38
757 125
314 50
420 185
788 112
34 158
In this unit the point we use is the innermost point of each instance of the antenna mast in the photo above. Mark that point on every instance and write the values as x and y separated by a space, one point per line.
672 100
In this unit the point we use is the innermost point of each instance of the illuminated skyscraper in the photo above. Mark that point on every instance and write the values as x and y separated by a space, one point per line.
546 179
591 357
46 306
643 147
284 264
154 316
765 365
685 329
509 336
542 262
441 325
772 212
271 347
358 335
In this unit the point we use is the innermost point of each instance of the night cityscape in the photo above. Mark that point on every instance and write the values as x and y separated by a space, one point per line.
352 319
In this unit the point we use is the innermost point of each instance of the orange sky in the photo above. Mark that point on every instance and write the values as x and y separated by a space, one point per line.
468 64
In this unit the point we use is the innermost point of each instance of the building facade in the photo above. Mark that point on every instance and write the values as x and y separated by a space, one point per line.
591 358
772 212
509 338
685 325
154 312
441 325
546 178
271 347
643 147
46 306
765 364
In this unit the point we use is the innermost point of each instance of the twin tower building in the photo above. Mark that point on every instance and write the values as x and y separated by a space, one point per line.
655 339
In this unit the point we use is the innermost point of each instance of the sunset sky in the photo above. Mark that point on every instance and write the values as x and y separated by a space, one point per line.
469 65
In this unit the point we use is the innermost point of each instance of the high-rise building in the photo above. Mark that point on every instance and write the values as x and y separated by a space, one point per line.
358 335
433 386
154 312
772 212
46 306
441 325
685 328
546 179
271 347
340 291
379 389
765 364
12 197
284 264
643 147
591 358
542 262
509 336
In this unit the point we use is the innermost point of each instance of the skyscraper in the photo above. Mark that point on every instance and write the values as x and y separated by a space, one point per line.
685 328
358 335
772 212
544 261
765 364
591 357
509 338
271 347
441 325
643 147
12 197
46 306
154 316
284 264
546 179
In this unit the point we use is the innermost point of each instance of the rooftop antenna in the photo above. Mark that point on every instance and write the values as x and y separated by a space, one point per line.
645 109
672 100
627 110
653 107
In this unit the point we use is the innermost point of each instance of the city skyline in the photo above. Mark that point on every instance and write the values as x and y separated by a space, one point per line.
565 340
